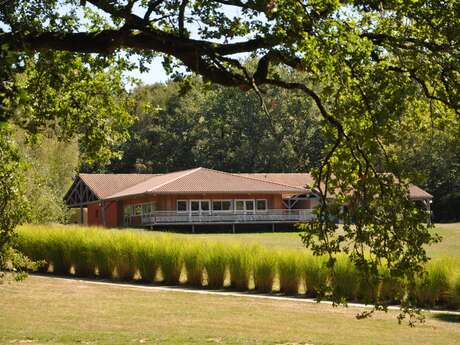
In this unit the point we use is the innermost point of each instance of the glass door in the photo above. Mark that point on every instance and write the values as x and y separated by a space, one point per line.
245 206
200 206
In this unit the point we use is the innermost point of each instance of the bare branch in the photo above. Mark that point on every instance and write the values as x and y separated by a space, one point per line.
151 7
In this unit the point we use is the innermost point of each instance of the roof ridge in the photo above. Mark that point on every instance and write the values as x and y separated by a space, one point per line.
187 172
258 179
134 185
79 174
281 184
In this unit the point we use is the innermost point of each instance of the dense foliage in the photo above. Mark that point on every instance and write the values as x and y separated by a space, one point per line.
219 128
13 207
65 97
50 166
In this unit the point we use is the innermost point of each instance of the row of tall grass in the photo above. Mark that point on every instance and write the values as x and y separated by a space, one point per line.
136 255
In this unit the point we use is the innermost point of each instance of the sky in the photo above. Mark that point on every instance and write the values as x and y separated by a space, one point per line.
156 73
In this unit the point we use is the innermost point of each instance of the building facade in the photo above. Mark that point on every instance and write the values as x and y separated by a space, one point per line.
197 197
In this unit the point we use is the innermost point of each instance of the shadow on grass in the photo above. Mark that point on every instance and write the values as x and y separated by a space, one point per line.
447 317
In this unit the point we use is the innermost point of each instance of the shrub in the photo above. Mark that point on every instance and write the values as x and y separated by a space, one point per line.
315 271
455 296
121 249
390 290
345 279
290 272
194 260
216 260
265 267
34 246
121 254
147 260
241 266
171 260
81 253
435 286
57 251
103 256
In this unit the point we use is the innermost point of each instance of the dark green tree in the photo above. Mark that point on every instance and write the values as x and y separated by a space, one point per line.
220 128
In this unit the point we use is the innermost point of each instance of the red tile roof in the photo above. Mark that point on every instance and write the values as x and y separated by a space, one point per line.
104 185
418 193
202 180
304 179
300 180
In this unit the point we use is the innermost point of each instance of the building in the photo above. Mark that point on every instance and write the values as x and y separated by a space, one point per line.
197 197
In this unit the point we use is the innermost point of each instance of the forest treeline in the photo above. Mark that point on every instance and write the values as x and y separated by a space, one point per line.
184 124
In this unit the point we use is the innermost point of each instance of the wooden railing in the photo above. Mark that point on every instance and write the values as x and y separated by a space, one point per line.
268 216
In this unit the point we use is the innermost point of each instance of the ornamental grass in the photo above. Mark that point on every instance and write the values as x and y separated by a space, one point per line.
147 260
290 272
436 287
345 279
241 266
315 273
128 254
265 268
194 262
170 255
216 261
81 253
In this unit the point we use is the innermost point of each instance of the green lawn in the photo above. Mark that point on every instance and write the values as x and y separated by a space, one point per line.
57 311
450 245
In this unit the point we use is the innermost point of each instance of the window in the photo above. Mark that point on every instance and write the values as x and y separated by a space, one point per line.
239 205
217 205
261 205
226 205
200 206
181 205
146 209
195 206
137 210
221 205
205 205
245 206
128 211
249 204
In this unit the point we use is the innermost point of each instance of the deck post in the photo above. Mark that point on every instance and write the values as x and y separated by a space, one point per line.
273 227
81 215
428 208
193 228
233 228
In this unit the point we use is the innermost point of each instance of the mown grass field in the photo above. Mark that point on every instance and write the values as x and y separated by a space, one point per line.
57 311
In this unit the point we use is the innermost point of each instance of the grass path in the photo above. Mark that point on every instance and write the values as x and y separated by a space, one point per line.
61 311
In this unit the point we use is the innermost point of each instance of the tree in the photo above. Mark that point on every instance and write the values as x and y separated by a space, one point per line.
50 166
188 123
364 63
13 208
57 93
